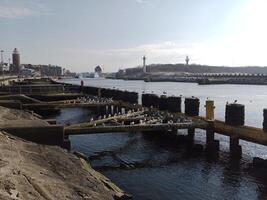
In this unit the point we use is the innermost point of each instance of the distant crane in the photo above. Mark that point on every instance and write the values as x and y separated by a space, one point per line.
187 59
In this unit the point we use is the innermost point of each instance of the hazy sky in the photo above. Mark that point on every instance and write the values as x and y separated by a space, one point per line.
80 34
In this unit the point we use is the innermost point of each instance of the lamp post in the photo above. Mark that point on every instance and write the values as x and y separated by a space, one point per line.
2 66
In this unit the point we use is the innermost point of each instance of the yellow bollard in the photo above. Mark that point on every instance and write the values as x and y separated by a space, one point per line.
210 110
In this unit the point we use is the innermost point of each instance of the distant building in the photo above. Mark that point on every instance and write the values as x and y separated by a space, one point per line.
144 65
187 59
15 67
98 69
50 70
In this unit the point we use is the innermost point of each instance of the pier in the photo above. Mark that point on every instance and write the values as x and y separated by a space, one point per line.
119 111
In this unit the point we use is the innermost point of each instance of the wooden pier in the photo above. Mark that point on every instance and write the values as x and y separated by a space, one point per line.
121 113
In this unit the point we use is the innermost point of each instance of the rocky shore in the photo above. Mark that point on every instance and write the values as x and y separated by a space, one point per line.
32 171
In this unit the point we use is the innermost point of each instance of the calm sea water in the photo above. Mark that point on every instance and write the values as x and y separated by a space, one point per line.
170 171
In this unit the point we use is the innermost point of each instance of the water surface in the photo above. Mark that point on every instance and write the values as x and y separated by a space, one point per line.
171 171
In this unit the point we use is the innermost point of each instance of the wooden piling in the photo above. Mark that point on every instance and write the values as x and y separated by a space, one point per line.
174 104
192 106
264 124
235 148
235 114
191 136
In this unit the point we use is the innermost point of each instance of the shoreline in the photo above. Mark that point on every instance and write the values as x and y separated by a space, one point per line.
200 81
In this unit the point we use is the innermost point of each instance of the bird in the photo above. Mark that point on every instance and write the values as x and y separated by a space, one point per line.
235 101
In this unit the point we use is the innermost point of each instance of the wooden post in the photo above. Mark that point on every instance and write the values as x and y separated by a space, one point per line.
112 109
264 124
235 116
211 144
191 136
192 106
235 148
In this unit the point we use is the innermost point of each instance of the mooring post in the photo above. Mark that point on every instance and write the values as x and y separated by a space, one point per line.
174 104
192 106
210 110
191 109
235 116
211 144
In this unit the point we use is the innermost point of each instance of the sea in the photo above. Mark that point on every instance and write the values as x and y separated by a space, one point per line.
167 169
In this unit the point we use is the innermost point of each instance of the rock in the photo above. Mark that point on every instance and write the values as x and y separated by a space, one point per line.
31 171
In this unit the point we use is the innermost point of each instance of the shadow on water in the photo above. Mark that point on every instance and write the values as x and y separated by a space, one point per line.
150 166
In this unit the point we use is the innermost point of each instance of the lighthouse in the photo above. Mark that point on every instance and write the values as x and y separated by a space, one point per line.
144 64
16 61
187 60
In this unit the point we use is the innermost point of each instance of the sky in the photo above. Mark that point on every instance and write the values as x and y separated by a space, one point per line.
115 34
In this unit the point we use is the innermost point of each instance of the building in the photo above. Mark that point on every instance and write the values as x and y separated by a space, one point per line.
50 70
98 69
144 65
15 67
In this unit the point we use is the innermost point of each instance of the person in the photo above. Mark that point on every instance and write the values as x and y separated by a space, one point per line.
81 85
